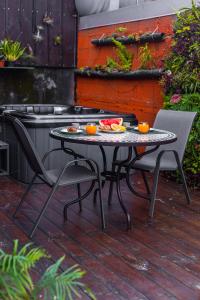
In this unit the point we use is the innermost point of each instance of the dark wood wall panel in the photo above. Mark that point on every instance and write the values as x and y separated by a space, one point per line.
13 19
55 51
27 22
69 32
19 20
2 18
41 49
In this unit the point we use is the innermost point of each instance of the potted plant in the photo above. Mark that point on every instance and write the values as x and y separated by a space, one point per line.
11 50
16 282
2 62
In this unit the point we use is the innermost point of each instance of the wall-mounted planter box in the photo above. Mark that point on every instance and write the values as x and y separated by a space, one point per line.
145 38
138 74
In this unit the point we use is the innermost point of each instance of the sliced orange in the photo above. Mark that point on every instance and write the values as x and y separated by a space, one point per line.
116 127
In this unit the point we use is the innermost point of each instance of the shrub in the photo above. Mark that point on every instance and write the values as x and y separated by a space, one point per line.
181 80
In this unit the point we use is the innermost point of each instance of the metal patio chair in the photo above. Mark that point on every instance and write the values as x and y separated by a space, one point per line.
71 174
168 157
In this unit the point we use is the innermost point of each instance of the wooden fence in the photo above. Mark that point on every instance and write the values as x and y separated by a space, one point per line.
19 20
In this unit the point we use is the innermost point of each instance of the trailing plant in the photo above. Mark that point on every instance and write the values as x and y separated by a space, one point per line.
123 61
11 50
111 65
124 57
181 80
16 282
121 29
146 58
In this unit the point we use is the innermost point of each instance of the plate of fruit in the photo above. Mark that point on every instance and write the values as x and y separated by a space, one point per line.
112 125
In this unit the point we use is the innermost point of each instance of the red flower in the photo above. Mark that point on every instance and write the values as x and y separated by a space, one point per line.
176 98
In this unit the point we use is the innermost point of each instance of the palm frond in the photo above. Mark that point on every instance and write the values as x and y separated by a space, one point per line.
61 286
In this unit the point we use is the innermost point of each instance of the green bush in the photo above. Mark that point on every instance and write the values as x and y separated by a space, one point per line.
181 81
189 102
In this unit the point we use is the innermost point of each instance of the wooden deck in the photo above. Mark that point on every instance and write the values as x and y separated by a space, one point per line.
155 262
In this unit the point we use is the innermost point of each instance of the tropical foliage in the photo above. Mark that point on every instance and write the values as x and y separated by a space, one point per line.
181 80
16 282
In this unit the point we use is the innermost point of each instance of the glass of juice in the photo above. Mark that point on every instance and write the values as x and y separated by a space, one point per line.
91 128
143 127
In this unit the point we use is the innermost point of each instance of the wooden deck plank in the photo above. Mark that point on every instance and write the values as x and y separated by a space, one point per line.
161 261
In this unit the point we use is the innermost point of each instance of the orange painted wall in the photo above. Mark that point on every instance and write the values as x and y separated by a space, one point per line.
142 97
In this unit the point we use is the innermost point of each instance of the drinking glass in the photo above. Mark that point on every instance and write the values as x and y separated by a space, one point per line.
91 128
143 127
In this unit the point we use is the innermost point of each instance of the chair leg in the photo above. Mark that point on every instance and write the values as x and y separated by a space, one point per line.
79 196
43 210
77 200
103 224
95 196
97 191
154 191
110 193
187 194
146 182
24 195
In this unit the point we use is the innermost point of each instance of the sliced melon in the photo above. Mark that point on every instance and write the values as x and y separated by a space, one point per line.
117 121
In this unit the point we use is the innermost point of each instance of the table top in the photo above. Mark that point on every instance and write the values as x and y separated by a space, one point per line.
128 138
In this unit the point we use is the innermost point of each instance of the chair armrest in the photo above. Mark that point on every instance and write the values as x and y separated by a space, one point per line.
163 152
91 163
67 150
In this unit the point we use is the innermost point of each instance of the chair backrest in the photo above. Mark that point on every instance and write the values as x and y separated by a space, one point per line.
178 122
27 145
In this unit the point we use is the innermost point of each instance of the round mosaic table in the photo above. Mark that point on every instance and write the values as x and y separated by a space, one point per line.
132 139
128 138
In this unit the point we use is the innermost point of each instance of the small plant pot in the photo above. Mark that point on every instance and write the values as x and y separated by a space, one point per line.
2 63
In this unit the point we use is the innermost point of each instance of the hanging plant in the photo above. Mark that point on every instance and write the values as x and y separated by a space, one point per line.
38 38
57 40
48 20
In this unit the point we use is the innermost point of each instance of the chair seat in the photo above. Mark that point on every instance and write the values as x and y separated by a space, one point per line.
73 175
149 163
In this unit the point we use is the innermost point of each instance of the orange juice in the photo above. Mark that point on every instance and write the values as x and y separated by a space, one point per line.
91 129
143 127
